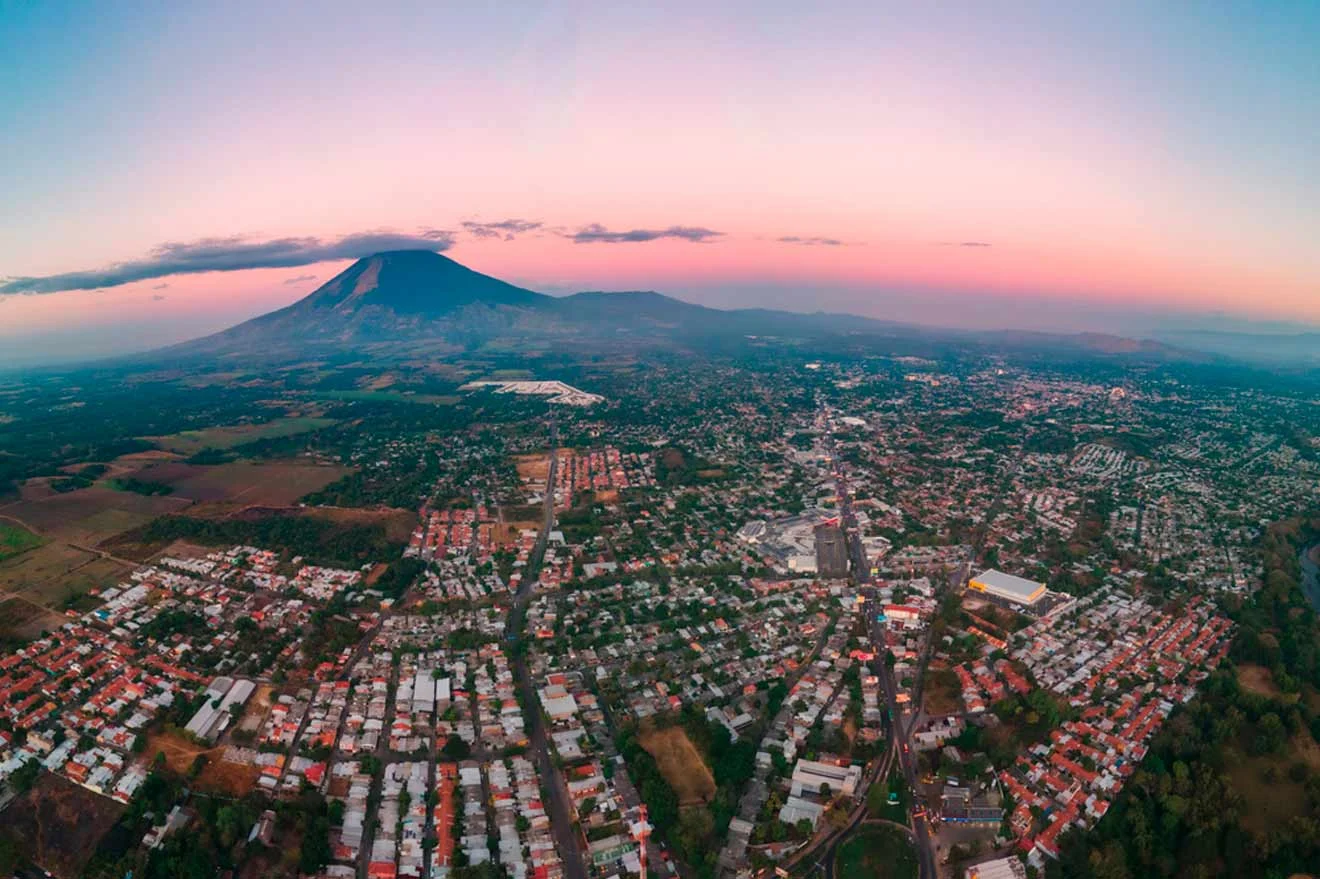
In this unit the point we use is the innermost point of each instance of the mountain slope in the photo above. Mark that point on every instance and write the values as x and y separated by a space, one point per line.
420 298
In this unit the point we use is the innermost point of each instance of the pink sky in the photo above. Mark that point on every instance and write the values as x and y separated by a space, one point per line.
1118 157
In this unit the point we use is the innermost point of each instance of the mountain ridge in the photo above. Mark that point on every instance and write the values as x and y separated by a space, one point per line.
420 295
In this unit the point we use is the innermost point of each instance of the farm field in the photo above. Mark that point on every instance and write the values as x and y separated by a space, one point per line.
55 573
58 824
386 396
22 621
680 764
271 483
190 442
89 515
16 540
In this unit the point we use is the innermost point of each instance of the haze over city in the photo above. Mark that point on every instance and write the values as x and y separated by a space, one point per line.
1124 168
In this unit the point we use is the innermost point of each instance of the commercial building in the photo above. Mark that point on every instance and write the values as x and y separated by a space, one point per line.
809 775
997 584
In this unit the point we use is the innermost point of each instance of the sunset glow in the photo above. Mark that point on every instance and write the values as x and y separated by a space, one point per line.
1106 163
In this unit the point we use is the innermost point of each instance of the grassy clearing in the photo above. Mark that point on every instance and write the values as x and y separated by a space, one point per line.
881 852
680 764
190 442
16 540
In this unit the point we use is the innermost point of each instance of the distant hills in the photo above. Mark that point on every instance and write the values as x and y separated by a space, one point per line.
419 297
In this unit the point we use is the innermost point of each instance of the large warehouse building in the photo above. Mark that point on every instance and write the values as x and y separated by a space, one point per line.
1006 586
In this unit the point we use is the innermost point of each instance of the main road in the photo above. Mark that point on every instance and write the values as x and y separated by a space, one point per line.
901 732
561 813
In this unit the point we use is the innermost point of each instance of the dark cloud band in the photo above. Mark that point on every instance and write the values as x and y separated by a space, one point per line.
595 233
231 255
506 229
810 242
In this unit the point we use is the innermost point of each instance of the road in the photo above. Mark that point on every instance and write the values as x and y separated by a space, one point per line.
901 732
561 813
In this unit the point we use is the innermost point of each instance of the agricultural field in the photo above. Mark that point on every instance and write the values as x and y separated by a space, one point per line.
878 851
190 442
680 764
57 575
387 396
58 824
89 515
22 621
16 540
269 483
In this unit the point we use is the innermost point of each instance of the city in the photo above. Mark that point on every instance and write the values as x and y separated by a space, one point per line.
938 623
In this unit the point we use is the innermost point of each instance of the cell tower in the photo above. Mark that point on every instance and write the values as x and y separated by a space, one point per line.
644 829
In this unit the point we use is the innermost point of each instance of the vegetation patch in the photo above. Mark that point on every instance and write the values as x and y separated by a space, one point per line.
16 540
880 852
57 824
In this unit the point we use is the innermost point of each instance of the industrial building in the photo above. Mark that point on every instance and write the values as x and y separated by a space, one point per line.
214 715
997 584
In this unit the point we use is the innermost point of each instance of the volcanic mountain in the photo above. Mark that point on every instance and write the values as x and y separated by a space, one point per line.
414 298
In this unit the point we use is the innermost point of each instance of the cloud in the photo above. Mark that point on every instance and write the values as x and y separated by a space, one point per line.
300 279
596 233
506 229
161 287
158 298
965 244
231 255
810 242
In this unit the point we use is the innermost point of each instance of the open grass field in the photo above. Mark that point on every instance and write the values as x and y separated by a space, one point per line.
56 573
1270 796
272 483
680 763
217 777
189 442
879 852
16 540
58 824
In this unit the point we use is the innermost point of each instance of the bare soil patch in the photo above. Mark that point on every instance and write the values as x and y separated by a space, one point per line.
217 776
532 468
1257 679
